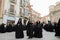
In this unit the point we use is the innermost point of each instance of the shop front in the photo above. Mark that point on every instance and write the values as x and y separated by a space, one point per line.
7 19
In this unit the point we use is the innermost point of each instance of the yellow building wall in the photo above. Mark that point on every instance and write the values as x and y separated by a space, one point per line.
1 10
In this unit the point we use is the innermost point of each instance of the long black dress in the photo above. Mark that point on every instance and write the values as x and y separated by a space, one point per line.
2 28
19 31
30 29
58 28
9 28
38 30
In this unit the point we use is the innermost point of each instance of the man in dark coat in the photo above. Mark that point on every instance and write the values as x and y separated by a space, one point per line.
38 30
58 29
2 28
9 27
30 29
19 30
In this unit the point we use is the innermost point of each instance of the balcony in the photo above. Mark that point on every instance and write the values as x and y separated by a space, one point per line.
13 1
11 12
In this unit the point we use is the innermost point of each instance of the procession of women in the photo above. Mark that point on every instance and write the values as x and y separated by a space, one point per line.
33 30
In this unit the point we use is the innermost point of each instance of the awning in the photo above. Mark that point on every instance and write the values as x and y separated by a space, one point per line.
11 18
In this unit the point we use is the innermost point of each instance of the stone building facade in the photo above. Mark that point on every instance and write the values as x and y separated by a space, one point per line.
12 10
55 12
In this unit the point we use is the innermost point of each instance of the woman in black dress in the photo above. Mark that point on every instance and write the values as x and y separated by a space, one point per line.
38 30
19 29
9 27
30 29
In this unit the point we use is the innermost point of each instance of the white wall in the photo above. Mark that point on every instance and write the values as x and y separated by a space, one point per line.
16 20
6 10
17 8
5 19
6 6
47 19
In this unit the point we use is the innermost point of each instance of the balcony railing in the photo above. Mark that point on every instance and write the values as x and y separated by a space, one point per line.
13 1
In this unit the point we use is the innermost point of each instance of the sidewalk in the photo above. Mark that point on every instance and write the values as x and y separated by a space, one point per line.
11 36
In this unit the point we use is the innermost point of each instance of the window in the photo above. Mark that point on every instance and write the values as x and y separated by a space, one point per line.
24 3
11 8
20 11
13 1
21 3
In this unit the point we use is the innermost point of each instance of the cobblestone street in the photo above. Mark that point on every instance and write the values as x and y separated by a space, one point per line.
11 36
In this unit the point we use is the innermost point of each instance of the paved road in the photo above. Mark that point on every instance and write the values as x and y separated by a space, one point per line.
11 36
